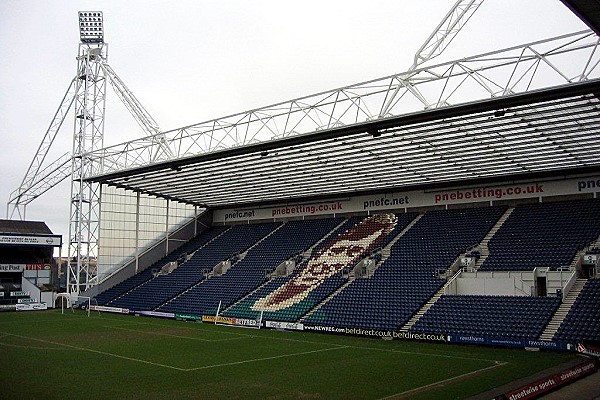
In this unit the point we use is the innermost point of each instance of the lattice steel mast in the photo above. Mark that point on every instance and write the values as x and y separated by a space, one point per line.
88 136
87 95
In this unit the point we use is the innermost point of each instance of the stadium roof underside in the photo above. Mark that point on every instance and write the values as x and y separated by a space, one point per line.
588 11
550 132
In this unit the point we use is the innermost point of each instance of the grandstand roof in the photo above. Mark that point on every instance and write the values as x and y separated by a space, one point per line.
588 11
24 227
547 132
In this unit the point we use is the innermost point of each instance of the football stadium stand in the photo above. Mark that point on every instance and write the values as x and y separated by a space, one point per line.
514 317
583 320
158 290
291 239
543 235
378 271
408 278
145 275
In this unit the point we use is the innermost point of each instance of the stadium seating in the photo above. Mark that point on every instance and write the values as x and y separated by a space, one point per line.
290 298
408 278
582 323
251 272
143 276
543 235
515 317
157 291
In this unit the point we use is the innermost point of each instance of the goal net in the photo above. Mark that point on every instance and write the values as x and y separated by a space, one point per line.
73 301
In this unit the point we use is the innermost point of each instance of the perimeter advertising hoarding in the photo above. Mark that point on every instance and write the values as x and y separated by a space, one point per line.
188 317
535 389
506 342
288 326
219 320
230 321
412 199
155 314
31 306
116 310
384 334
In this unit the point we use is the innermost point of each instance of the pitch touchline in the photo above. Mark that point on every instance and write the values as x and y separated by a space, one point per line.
99 352
428 354
379 349
441 383
265 358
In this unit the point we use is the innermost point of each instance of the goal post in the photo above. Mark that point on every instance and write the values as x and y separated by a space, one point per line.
72 301
238 322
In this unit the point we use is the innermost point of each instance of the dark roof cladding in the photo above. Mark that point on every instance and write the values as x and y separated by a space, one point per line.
24 227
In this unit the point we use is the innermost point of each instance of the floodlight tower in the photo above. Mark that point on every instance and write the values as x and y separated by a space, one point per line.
87 95
88 136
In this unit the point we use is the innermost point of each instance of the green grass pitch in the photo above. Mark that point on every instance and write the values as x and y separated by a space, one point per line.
48 355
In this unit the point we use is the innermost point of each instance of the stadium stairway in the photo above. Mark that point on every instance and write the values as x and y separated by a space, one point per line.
385 252
158 290
406 327
329 254
543 235
244 277
582 322
483 247
576 263
338 229
408 278
189 248
484 252
243 255
342 226
562 311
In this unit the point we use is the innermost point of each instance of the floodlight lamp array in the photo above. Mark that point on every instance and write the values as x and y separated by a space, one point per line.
91 29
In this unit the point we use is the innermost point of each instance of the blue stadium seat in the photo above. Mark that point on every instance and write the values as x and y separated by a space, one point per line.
543 235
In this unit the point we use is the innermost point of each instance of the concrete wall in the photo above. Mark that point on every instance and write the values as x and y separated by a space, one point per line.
509 283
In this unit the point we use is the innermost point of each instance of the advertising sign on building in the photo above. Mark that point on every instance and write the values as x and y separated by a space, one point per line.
415 199
31 240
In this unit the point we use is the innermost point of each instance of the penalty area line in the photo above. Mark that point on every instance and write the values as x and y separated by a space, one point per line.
443 382
265 358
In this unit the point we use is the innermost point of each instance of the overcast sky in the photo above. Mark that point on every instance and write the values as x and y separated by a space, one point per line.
191 61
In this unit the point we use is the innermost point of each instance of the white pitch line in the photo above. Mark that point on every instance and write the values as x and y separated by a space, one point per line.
100 352
241 336
28 347
170 335
441 383
265 358
416 353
